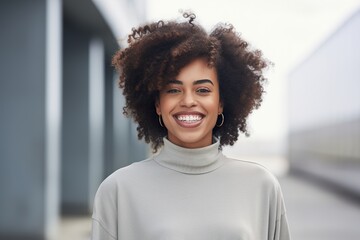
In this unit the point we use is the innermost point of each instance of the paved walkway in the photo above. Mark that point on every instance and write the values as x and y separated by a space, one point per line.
74 228
317 213
314 213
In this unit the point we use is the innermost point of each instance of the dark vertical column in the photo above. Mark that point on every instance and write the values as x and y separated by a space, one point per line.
30 129
83 121
75 142
109 162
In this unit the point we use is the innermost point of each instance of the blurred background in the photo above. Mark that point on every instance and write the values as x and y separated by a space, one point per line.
62 130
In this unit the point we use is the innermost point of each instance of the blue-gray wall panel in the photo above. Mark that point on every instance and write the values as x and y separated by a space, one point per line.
75 164
22 117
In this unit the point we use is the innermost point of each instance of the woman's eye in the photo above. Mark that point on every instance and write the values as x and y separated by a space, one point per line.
173 90
203 90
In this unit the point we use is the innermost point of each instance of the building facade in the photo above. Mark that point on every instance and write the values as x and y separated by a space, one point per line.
62 130
324 110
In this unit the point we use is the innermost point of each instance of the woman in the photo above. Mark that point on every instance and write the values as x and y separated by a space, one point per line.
190 94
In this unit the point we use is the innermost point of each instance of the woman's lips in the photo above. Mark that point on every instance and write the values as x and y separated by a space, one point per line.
189 120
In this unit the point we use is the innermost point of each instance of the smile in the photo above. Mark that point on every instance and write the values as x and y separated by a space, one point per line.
189 120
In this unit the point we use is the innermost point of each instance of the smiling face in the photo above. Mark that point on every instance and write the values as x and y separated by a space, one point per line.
190 104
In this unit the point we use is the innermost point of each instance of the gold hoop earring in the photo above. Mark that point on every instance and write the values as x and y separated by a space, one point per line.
160 121
222 120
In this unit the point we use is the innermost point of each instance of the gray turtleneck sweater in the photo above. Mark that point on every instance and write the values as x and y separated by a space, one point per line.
190 194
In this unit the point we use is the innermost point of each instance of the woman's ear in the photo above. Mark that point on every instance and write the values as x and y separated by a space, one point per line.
221 107
157 107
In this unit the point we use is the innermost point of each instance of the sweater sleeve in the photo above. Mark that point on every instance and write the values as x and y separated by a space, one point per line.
98 232
282 229
104 218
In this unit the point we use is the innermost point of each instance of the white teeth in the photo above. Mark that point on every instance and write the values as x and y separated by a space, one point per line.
189 118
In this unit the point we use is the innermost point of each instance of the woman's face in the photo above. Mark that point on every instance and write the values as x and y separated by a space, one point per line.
190 104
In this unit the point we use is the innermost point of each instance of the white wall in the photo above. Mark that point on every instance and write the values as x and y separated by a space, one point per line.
325 88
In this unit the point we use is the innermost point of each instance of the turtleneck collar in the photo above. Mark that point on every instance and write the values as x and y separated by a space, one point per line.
190 161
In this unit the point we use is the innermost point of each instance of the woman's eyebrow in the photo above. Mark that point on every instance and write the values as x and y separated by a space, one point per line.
200 81
175 82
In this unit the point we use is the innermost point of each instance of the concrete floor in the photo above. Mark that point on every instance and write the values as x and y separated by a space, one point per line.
74 228
317 213
314 213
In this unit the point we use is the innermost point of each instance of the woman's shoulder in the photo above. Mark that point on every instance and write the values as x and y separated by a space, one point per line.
129 171
252 170
123 177
107 195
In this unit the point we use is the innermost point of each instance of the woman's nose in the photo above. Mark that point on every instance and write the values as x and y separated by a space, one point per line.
188 100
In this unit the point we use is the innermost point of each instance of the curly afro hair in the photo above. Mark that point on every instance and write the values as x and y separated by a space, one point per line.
158 51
